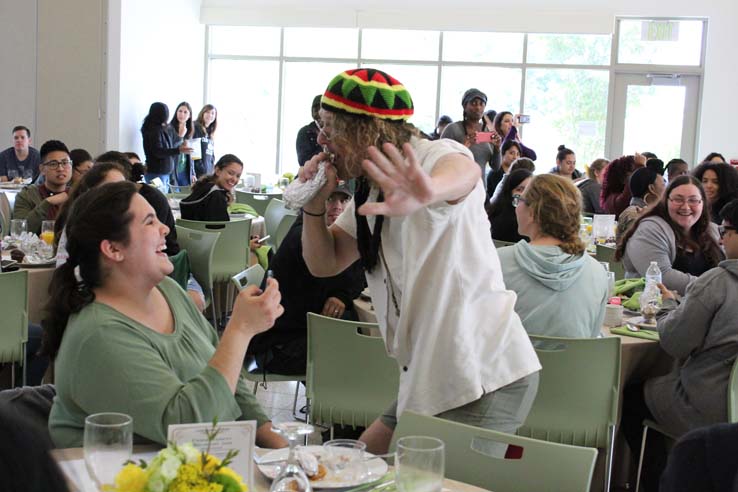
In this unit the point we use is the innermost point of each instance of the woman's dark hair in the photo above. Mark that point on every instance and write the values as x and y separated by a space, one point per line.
699 237
727 177
673 164
118 158
640 180
132 155
158 115
79 156
712 155
210 129
90 180
206 182
656 165
498 122
25 460
616 175
188 124
523 163
101 213
563 152
510 143
503 201
730 212
138 171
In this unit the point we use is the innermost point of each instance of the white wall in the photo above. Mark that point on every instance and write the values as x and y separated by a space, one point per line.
161 58
719 102
18 59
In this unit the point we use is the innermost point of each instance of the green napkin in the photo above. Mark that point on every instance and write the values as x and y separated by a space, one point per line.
647 334
634 303
242 208
262 254
629 285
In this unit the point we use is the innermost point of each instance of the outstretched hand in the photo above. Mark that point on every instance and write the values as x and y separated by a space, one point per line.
406 186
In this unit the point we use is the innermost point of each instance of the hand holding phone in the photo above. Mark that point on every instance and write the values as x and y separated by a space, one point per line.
523 118
484 137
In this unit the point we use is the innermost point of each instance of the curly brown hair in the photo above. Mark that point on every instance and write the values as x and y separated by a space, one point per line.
354 134
557 210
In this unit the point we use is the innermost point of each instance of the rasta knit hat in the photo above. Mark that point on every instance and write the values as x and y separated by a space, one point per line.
368 92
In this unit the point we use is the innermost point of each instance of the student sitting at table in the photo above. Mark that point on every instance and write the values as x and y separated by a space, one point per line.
562 291
126 338
676 233
701 334
283 349
212 194
646 188
501 213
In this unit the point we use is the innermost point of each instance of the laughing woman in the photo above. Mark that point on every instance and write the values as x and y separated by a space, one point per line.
720 182
126 338
676 233
212 194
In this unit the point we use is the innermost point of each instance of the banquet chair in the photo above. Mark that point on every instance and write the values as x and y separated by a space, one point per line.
502 244
649 424
542 466
277 221
14 328
200 247
350 378
578 393
185 190
259 201
607 254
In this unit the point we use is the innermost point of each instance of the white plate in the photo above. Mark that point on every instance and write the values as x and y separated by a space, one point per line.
376 467
640 323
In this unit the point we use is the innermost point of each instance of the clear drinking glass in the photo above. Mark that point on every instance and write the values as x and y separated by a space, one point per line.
345 458
47 232
291 478
18 227
283 183
108 442
419 464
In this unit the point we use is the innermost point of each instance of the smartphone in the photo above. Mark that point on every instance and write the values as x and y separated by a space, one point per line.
261 241
523 118
240 280
484 137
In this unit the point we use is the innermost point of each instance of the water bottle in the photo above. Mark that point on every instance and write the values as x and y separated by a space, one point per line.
651 295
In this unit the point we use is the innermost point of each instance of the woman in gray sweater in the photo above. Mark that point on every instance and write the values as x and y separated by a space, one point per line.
676 233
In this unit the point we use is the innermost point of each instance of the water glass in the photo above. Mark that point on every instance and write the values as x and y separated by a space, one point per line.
419 464
108 442
345 458
18 227
283 183
610 284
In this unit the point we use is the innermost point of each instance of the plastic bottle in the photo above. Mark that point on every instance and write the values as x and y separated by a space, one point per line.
651 295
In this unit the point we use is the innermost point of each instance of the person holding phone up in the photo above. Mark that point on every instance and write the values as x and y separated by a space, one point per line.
507 125
474 132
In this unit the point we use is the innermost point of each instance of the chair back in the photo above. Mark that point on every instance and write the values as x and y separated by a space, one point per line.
181 264
277 221
350 378
543 466
259 201
6 214
607 253
14 309
200 248
733 394
177 195
577 400
231 254
502 244
176 189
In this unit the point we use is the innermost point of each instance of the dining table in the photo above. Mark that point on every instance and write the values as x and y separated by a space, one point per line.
71 462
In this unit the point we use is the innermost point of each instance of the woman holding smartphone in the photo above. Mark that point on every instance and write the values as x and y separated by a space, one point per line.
505 126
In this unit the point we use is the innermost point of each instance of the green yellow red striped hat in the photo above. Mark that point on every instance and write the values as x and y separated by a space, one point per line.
368 92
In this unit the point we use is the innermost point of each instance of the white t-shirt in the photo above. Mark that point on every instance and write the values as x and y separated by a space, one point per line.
457 336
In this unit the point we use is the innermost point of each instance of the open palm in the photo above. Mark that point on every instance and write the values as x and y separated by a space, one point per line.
406 186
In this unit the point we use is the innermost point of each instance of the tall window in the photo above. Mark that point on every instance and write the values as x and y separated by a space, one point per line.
263 80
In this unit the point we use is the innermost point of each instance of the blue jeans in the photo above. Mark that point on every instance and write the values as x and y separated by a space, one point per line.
163 177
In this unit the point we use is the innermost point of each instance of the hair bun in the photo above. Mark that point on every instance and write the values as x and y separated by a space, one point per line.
561 147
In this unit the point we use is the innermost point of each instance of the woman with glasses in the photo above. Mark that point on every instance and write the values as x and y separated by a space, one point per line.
504 225
562 291
720 182
676 233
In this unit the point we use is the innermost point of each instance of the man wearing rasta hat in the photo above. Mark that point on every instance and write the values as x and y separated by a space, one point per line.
435 281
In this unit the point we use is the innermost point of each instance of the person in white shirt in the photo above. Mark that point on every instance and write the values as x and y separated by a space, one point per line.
435 279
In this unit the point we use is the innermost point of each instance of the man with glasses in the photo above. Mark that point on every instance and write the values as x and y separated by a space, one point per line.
39 202
434 276
21 160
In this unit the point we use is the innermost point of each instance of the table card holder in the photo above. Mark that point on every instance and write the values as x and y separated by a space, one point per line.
603 229
232 435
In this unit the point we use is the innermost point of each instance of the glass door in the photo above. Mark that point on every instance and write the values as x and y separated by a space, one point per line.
655 113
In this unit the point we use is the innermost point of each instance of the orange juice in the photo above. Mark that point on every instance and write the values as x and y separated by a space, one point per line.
47 237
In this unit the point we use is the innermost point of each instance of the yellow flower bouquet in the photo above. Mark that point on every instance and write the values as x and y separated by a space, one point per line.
180 468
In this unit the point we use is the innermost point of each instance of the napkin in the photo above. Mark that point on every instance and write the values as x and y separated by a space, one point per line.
298 193
647 334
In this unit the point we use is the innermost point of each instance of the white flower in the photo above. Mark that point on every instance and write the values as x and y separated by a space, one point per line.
190 453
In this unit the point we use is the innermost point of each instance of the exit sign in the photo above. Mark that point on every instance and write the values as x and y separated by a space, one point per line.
659 31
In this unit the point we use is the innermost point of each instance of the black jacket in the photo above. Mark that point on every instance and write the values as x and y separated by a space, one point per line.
160 150
208 204
163 211
307 143
302 293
